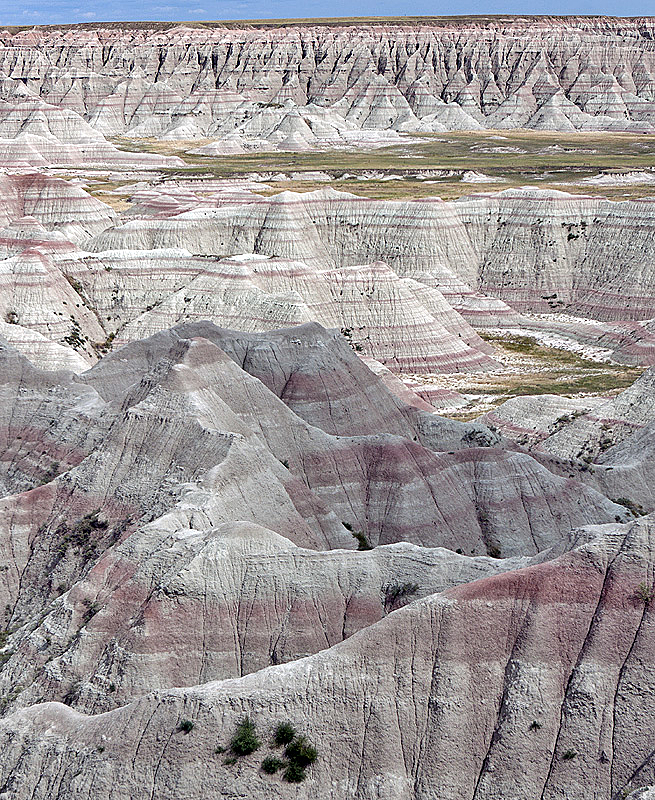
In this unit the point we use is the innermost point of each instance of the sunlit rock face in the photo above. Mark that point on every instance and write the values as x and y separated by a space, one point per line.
299 86
538 678
220 494
201 472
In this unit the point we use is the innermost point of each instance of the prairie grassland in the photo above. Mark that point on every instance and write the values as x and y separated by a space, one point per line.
532 369
507 158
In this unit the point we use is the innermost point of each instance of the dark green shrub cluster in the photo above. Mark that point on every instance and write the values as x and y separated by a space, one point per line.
271 764
634 508
81 533
245 740
186 726
285 733
362 542
299 754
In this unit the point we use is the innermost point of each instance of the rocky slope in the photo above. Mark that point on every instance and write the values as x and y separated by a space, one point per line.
535 250
189 487
406 282
612 439
532 683
299 86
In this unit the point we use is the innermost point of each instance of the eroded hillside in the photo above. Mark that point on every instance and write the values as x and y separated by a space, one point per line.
246 270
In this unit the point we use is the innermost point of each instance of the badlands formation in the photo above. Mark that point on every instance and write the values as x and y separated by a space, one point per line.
229 498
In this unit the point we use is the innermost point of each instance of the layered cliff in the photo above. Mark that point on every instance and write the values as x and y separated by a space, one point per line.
299 85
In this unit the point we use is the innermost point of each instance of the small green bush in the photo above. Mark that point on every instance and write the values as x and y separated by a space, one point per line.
567 755
362 542
294 773
301 752
397 594
271 764
186 726
245 740
284 734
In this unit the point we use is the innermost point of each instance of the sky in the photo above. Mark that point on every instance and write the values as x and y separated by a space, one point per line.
44 12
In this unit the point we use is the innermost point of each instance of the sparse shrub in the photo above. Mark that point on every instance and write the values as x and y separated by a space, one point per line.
91 610
362 542
271 764
568 755
644 593
494 551
72 693
11 317
478 437
347 526
185 726
534 725
75 284
230 760
80 534
104 347
396 593
245 740
284 734
50 474
636 509
220 750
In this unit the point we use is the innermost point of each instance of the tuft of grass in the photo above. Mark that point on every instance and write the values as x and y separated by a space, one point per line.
569 755
645 593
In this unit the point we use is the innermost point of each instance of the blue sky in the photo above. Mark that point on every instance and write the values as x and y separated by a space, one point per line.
26 12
